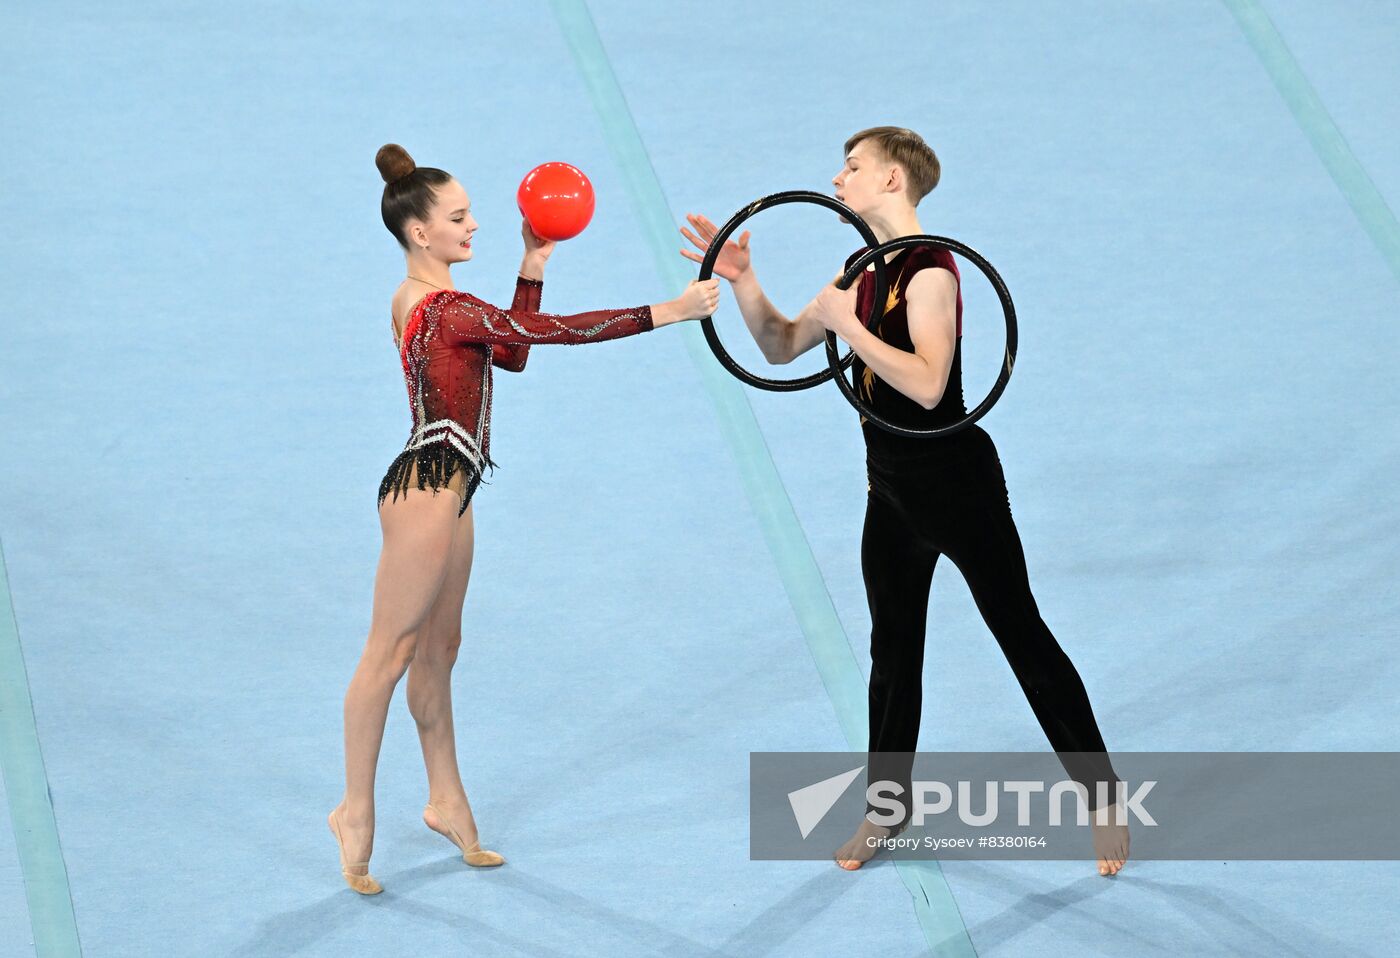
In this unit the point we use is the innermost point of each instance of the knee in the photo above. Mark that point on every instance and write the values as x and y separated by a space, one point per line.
404 651
897 645
902 675
440 651
394 655
1050 673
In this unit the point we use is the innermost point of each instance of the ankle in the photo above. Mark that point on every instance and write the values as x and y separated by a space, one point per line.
355 816
457 802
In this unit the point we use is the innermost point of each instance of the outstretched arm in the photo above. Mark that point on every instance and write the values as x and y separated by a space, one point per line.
463 318
466 319
781 339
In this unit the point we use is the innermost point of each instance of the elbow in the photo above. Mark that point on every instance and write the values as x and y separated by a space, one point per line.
929 400
775 351
779 350
510 359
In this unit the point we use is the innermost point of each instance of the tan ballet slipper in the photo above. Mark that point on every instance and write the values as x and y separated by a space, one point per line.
364 884
474 856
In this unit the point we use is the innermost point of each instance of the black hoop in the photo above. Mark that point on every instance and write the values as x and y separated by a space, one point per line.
877 254
708 266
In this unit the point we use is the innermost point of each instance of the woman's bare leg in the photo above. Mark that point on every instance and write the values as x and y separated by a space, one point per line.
418 531
430 691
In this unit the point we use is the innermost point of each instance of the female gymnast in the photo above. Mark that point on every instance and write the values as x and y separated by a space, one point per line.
448 341
925 497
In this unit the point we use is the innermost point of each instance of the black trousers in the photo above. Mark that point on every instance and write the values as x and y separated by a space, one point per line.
954 502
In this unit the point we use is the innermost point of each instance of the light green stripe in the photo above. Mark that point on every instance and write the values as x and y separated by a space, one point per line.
31 810
937 912
1327 141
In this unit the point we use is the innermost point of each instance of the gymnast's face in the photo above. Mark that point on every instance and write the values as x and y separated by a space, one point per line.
450 224
864 177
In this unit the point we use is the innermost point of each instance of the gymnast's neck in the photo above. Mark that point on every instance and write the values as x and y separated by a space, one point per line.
896 220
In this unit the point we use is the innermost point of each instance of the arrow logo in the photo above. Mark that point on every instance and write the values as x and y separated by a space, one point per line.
810 804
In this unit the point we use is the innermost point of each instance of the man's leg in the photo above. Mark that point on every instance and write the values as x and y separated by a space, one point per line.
898 569
981 539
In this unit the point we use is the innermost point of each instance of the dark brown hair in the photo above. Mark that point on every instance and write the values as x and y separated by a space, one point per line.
908 149
409 189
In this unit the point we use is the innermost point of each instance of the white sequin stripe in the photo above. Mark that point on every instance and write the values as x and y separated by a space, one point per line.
451 440
418 362
589 332
451 425
485 316
433 431
484 415
416 386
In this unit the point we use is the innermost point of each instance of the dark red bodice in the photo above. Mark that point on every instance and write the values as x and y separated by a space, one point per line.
450 343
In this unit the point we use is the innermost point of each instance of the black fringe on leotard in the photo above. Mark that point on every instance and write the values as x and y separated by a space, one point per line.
435 464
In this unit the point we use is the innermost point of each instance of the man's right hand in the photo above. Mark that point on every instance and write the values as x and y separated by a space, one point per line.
733 261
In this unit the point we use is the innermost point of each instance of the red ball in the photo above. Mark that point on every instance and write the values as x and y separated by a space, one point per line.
556 199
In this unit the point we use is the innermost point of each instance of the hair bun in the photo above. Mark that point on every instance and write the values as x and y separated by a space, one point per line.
394 162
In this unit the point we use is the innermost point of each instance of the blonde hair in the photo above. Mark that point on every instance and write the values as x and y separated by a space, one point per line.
906 148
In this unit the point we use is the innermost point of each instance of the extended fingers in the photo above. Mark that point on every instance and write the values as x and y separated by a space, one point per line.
694 239
703 224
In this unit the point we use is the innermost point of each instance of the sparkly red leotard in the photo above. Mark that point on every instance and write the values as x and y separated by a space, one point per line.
450 342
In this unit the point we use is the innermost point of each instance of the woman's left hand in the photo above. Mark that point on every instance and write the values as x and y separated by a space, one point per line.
535 248
835 309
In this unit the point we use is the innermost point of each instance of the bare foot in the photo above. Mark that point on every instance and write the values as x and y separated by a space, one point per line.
458 813
862 847
1110 841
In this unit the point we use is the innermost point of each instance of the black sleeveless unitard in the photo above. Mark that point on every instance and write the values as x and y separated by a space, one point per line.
932 497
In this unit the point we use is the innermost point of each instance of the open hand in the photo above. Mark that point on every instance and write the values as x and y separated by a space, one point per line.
733 261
